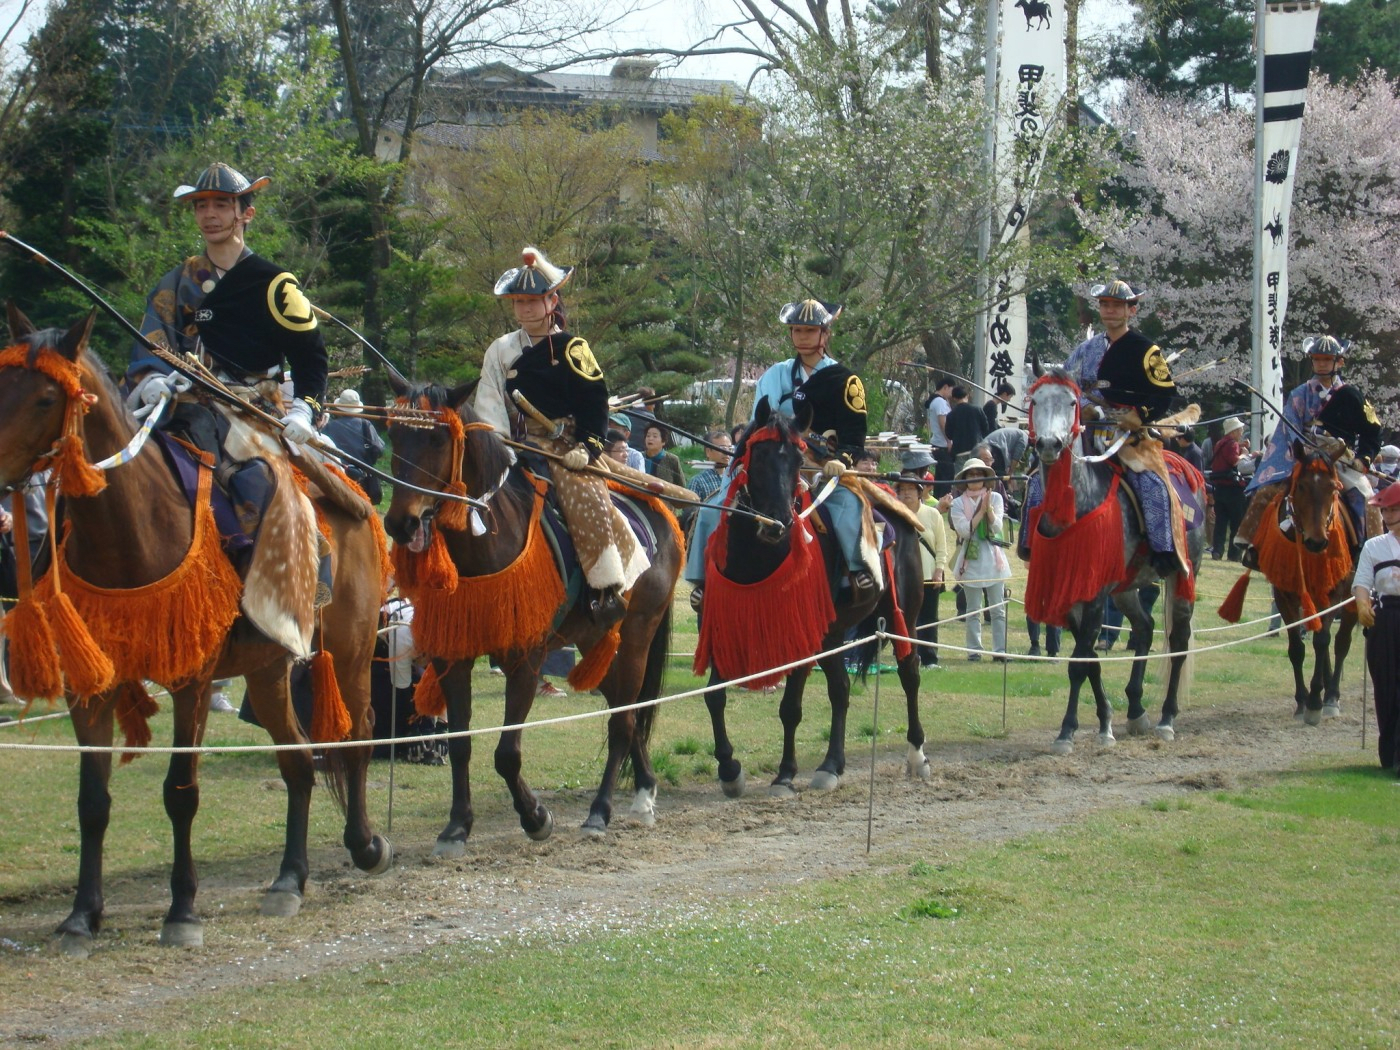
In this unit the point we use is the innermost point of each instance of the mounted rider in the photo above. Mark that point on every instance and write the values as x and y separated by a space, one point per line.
243 314
1325 405
1126 376
545 383
809 324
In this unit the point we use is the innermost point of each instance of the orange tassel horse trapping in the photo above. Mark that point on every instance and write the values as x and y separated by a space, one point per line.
142 591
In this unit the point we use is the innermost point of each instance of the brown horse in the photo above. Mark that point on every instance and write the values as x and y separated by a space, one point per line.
1309 560
427 457
135 533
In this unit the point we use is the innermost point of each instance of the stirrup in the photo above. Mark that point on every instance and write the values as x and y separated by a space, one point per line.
697 598
1249 557
863 585
608 608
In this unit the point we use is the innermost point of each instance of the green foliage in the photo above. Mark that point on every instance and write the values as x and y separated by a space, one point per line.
1196 48
1356 34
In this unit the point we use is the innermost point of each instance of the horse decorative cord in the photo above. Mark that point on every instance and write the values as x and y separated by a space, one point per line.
785 600
1086 516
1307 554
161 599
486 584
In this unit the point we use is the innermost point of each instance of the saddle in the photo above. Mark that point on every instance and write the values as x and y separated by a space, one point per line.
1185 484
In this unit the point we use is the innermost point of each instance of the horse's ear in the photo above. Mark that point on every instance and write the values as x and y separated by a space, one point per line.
20 326
761 412
457 396
398 384
76 338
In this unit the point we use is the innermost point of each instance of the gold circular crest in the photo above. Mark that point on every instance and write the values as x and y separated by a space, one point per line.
1159 373
581 359
288 305
1370 413
855 394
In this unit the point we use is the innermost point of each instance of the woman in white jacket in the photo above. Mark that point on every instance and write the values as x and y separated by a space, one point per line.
981 565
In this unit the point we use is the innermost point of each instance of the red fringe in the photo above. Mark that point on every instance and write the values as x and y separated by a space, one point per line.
87 668
1293 569
1076 565
1057 503
330 720
748 628
134 708
589 672
34 669
1233 605
428 699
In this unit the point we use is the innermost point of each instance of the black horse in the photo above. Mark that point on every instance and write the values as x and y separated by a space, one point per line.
771 453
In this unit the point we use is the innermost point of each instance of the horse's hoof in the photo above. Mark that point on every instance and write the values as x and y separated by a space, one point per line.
1107 739
1312 718
450 849
824 781
545 829
643 809
735 788
182 935
917 763
1166 733
74 945
1331 710
279 904
386 856
1299 713
1140 726
1062 747
595 826
781 789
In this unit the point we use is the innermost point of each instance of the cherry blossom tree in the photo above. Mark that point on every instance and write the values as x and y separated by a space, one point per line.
1183 213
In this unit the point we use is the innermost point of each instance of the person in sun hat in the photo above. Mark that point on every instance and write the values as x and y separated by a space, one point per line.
1227 486
1376 588
1325 406
981 565
246 315
1387 462
934 545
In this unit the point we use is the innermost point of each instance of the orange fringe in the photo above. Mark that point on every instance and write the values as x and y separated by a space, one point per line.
511 609
304 483
432 569
134 708
86 667
1233 606
170 630
1292 568
428 698
76 476
590 671
330 720
658 506
34 672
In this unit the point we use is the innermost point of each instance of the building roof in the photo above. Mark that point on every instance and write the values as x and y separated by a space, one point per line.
630 83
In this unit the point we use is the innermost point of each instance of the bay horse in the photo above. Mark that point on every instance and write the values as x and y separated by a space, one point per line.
1102 555
131 538
517 626
808 616
1309 565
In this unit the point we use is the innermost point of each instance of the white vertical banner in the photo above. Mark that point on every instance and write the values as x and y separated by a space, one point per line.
1284 42
1030 67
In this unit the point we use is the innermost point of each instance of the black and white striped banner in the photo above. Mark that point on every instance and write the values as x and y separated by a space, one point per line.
1285 57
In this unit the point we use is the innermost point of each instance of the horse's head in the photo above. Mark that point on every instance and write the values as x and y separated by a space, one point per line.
767 460
429 453
40 383
1054 414
1312 494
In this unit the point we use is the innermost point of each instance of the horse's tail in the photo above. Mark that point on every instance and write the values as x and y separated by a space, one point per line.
653 677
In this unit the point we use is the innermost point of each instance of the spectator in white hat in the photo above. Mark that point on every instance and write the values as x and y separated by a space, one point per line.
1387 461
1227 486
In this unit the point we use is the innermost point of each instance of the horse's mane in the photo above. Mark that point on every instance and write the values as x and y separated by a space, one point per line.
786 427
486 455
1053 376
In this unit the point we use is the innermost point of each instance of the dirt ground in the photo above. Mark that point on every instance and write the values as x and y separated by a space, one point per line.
569 887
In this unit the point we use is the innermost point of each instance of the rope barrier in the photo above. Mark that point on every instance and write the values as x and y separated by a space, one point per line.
879 635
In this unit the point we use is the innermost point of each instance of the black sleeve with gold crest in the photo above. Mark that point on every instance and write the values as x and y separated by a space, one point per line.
560 377
832 402
1349 416
1134 371
256 318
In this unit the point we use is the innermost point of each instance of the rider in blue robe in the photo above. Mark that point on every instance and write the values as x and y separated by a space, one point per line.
809 326
1337 409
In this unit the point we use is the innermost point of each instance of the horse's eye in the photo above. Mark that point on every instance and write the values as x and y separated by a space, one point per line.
45 402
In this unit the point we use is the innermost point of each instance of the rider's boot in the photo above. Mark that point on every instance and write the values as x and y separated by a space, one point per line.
607 607
863 586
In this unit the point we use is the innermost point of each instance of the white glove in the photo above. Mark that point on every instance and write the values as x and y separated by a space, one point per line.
575 458
155 386
833 468
297 424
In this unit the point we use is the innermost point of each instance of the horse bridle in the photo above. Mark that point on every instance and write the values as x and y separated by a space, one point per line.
1317 465
738 496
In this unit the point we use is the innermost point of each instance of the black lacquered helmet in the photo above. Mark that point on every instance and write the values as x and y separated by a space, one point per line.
809 313
219 180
